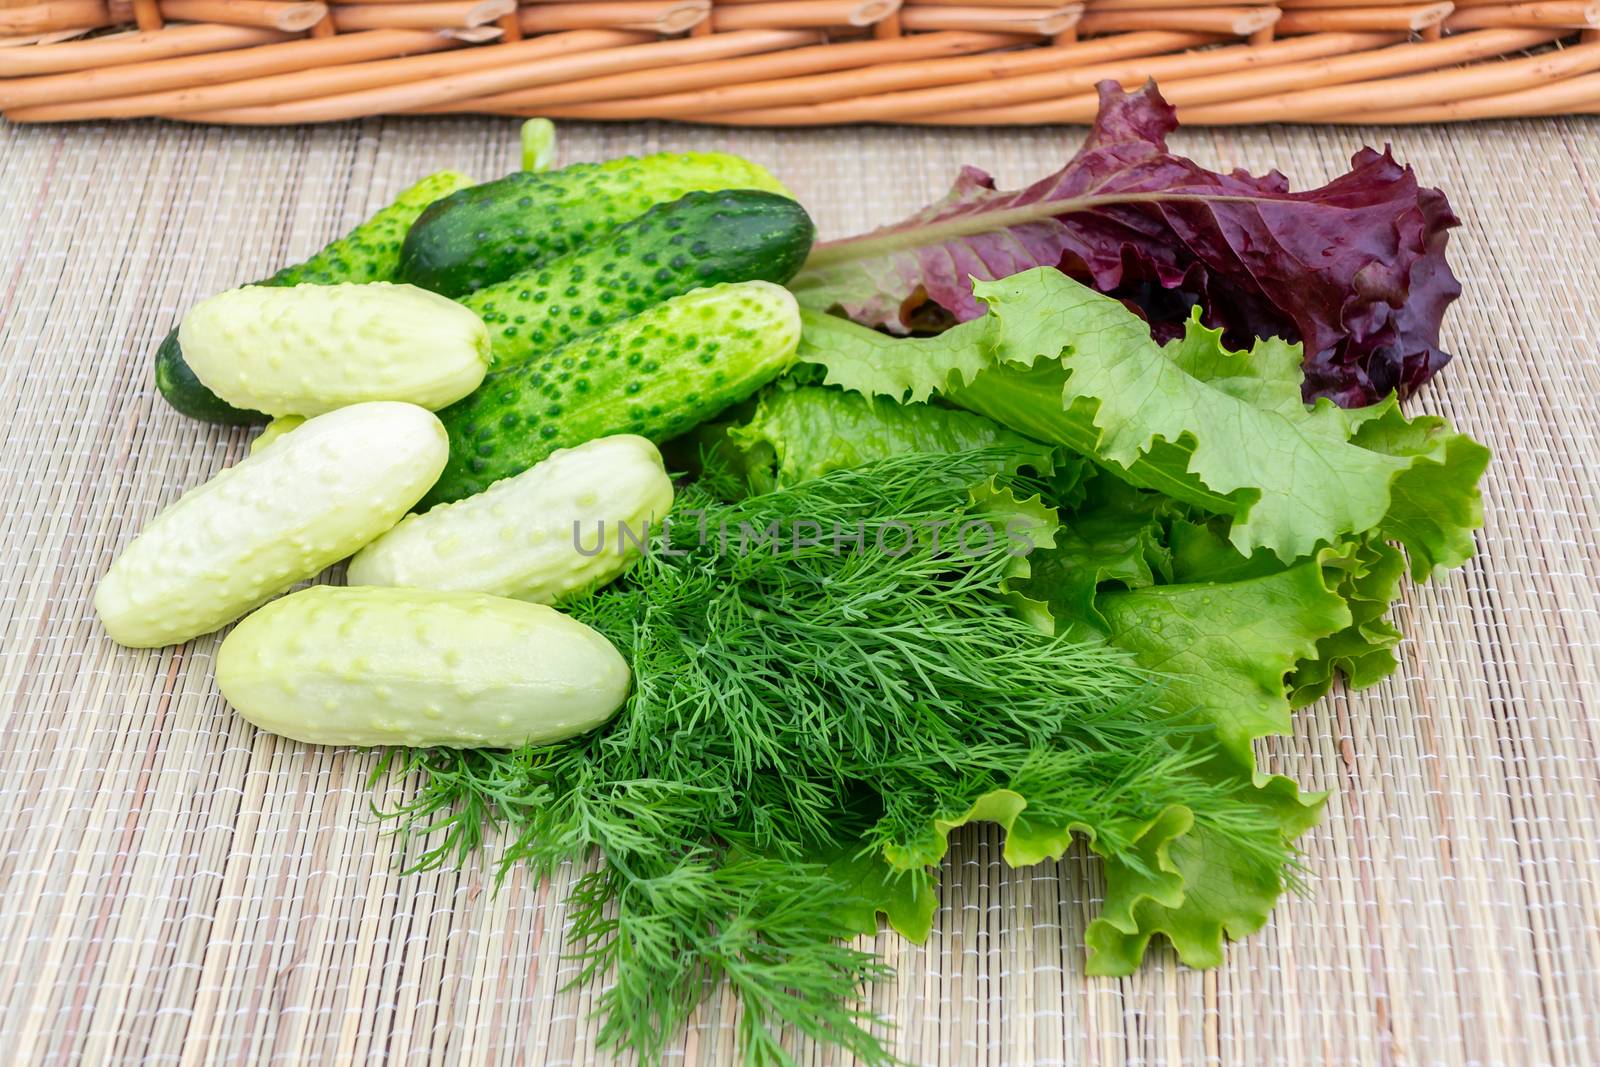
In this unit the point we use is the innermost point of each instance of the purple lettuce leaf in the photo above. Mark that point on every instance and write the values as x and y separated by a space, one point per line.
1355 270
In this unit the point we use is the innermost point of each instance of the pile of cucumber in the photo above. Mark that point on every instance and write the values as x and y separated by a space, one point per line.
453 389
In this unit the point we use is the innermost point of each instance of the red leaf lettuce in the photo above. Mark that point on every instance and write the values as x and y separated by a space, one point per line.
1355 270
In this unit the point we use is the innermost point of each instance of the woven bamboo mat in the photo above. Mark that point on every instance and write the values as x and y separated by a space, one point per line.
176 888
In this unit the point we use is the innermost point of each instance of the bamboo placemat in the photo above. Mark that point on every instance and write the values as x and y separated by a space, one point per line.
176 888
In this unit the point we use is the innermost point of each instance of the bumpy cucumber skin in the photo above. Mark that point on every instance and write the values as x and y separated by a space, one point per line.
699 239
422 668
307 350
274 519
657 374
487 233
368 253
537 536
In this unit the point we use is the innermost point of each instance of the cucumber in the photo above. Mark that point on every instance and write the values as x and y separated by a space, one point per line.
572 521
276 518
485 234
699 239
656 375
184 391
368 253
311 349
370 666
275 430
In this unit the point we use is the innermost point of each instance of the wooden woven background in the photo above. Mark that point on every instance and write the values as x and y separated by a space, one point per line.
176 888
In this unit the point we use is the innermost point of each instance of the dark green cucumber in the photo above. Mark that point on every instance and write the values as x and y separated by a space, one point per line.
700 239
368 253
666 369
487 233
187 393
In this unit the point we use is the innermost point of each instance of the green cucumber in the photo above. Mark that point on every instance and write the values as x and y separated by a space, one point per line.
700 239
373 666
275 518
657 374
368 253
485 234
189 395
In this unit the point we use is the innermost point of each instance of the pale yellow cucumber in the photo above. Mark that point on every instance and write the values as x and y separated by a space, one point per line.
571 521
274 519
382 666
312 348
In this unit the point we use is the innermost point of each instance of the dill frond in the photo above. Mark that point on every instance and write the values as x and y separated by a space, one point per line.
798 703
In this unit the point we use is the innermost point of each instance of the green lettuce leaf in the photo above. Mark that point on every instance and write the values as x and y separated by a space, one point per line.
1229 644
1193 871
1113 537
1032 527
907 898
801 433
1368 578
1434 504
904 369
1043 810
1209 858
1137 853
1219 430
1227 649
1223 892
1366 575
1203 872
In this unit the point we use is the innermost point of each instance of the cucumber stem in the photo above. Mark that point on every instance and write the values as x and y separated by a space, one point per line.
538 144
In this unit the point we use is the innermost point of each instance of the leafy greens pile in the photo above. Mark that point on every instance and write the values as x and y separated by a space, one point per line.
806 726
1201 551
1239 543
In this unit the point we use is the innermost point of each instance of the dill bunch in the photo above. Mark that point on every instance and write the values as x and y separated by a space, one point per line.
795 704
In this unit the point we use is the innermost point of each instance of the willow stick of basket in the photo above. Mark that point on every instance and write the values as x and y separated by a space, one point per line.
1562 14
1573 96
559 62
321 83
855 62
189 72
418 81
1044 21
884 77
794 62
1397 58
144 46
995 92
268 14
37 19
1432 87
438 14
1381 19
666 18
